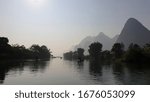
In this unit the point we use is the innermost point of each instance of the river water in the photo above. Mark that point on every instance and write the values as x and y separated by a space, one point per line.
65 72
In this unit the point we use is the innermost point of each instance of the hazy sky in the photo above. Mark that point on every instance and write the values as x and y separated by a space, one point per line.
59 24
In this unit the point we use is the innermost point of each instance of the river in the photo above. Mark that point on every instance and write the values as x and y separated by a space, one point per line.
65 72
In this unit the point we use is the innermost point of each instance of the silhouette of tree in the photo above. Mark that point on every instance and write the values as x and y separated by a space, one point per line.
45 52
20 52
80 52
68 55
3 41
35 48
5 48
146 52
134 53
117 50
40 52
75 55
106 55
95 50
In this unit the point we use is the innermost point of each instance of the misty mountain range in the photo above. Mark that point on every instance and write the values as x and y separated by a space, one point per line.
133 32
101 37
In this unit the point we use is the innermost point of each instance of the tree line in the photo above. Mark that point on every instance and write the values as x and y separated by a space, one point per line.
16 51
134 53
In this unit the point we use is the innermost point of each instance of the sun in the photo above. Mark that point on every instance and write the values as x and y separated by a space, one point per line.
36 3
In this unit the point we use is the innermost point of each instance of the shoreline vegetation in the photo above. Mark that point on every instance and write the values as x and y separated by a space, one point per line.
17 52
134 54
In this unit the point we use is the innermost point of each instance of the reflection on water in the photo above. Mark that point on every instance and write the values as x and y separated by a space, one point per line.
95 68
6 66
58 71
13 67
132 73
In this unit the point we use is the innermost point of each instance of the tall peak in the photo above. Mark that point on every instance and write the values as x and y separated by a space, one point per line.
132 22
132 19
134 32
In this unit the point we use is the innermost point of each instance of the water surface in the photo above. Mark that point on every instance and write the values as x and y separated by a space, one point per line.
64 72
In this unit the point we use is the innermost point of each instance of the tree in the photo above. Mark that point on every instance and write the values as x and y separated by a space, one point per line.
68 55
117 50
146 52
45 52
35 48
95 50
80 52
20 52
3 41
74 55
40 52
106 55
35 51
5 48
134 53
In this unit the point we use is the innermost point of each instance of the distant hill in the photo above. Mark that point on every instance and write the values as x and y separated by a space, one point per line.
101 37
134 32
114 39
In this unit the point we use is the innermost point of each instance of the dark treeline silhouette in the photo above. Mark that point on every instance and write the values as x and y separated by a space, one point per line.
77 55
95 50
134 54
20 52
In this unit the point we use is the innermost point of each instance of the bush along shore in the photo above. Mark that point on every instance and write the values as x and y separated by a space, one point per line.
17 52
134 53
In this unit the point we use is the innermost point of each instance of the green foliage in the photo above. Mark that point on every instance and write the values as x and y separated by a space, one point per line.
106 55
134 53
95 50
79 54
146 52
3 41
40 52
68 55
117 50
20 52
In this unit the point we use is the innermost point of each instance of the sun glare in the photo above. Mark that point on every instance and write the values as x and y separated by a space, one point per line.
36 3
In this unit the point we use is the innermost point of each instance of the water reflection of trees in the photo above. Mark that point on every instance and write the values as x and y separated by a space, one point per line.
95 68
15 66
80 65
37 66
6 66
119 73
3 71
131 74
139 74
